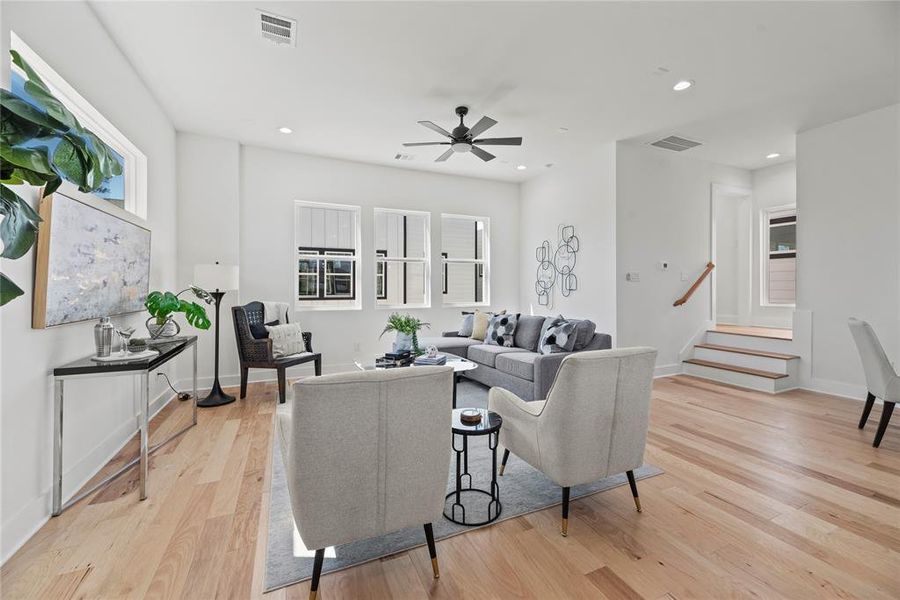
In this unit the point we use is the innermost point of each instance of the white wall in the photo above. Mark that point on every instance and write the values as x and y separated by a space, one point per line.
728 261
663 213
579 192
269 181
101 413
848 240
772 186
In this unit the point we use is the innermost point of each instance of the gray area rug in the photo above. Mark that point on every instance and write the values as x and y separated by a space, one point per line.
523 490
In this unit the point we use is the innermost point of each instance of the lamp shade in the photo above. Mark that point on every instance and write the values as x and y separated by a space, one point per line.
216 277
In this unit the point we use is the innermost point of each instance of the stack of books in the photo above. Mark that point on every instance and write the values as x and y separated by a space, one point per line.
440 359
391 359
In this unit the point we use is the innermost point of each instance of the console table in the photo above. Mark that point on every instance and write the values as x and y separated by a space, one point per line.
85 368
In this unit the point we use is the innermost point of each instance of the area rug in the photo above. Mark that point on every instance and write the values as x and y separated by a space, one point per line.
523 490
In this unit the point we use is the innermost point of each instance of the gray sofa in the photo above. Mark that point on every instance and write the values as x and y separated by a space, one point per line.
520 369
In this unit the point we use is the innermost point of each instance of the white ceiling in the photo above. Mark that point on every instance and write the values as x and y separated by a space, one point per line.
362 74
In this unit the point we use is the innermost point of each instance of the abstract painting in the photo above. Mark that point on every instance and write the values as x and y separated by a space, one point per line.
90 263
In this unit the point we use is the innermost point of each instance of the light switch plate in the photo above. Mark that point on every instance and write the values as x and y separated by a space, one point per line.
632 276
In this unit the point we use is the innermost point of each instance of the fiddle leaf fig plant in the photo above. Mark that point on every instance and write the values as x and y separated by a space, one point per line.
161 305
27 132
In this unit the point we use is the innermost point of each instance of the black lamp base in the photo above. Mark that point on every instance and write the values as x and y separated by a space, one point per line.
216 397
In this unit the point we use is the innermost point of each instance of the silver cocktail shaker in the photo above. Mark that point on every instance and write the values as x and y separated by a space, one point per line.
103 335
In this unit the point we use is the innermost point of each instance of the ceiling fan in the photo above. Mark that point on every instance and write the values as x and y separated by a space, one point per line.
462 138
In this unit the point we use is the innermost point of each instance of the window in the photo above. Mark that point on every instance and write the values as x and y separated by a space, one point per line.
402 258
127 191
779 256
327 250
465 260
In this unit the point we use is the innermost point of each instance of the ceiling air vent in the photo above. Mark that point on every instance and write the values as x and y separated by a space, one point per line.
675 143
403 156
278 30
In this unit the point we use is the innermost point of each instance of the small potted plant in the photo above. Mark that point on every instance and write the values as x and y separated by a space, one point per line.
163 305
407 328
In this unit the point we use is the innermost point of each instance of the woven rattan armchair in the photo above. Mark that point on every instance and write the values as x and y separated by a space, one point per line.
257 354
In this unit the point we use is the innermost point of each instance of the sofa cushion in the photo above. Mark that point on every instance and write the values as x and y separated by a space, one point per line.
584 332
558 337
517 364
501 330
487 355
480 325
466 325
528 332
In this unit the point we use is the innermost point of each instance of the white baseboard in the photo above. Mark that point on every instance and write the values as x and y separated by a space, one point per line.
262 376
667 370
16 530
836 388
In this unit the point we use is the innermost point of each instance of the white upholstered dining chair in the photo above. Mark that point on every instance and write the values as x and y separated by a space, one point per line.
882 380
367 453
593 423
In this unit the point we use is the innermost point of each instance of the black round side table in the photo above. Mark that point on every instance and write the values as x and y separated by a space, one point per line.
490 427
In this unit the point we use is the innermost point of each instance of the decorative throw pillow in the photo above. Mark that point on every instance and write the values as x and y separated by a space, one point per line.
465 327
559 337
528 332
584 333
259 331
286 339
501 330
479 325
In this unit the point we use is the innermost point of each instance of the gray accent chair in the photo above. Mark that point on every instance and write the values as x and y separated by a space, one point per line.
592 425
520 369
882 380
367 453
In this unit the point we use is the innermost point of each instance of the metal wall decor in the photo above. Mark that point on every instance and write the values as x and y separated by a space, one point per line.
557 266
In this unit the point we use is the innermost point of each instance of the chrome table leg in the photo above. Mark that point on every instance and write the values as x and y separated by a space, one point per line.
57 445
145 433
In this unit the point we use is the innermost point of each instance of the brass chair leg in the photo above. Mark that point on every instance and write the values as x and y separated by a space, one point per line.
503 461
565 512
317 572
432 550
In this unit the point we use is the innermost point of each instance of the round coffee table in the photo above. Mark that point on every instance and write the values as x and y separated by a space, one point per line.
490 427
458 363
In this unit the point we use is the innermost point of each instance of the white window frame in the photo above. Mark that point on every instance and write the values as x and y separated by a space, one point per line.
765 215
485 262
425 261
135 168
335 303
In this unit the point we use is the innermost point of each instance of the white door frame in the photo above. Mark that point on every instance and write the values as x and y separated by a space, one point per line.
718 191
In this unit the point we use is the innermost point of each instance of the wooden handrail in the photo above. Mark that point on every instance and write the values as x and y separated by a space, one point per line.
693 288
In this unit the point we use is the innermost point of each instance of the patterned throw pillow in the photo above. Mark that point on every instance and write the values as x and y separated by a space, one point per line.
501 330
559 336
286 339
479 326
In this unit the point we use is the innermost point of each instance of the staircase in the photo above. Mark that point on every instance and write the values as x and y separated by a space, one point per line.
751 357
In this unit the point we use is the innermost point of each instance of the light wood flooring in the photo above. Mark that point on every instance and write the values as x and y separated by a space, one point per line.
763 497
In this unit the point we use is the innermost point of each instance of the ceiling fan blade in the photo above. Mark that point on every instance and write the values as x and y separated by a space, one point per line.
500 141
436 128
483 155
444 156
481 126
426 143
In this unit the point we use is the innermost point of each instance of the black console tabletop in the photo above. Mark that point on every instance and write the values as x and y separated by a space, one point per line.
167 351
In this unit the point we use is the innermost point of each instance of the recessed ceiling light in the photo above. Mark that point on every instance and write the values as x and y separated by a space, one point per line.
521 167
285 130
773 155
682 85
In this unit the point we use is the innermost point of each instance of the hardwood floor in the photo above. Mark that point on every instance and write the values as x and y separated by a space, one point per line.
763 497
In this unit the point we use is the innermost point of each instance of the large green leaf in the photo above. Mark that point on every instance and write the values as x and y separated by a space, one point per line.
8 290
54 107
69 162
162 304
103 156
22 109
31 73
18 230
34 159
195 314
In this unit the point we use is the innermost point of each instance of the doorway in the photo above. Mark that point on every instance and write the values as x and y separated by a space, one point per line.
731 244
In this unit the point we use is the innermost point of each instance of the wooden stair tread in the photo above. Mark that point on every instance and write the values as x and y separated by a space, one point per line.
735 368
772 333
762 353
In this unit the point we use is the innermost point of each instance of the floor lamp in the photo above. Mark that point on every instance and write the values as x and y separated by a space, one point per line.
216 279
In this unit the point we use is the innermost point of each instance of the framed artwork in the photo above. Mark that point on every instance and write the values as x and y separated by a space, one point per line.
93 260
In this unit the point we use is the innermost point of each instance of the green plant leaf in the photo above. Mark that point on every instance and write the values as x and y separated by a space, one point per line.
161 304
195 314
54 107
68 161
18 230
23 64
26 112
34 159
52 186
8 290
